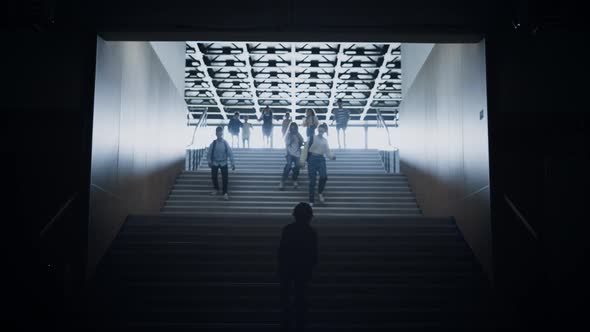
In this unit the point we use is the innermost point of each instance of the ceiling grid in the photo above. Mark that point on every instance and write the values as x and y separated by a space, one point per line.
225 77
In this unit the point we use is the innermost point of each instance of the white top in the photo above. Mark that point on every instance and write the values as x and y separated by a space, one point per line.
293 144
320 146
246 130
312 121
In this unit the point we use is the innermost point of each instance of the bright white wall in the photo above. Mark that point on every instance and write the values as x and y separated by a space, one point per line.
444 143
413 57
172 57
138 142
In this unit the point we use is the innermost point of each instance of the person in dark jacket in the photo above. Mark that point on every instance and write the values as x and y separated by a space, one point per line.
297 258
234 128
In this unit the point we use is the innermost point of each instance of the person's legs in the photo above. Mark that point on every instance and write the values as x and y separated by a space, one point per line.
270 136
224 179
300 304
266 138
295 162
338 129
214 170
311 173
344 136
286 169
323 174
285 287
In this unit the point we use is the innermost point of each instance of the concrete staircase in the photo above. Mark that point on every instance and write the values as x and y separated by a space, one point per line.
204 264
357 185
173 273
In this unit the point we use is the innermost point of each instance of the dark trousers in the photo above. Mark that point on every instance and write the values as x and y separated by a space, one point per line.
297 287
292 163
310 131
316 164
214 171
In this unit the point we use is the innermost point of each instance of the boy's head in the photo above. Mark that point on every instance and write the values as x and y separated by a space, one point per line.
303 212
339 102
323 128
236 115
219 132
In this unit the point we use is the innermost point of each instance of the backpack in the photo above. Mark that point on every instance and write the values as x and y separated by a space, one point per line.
213 148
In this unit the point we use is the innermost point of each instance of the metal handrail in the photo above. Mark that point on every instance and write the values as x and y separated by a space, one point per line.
202 122
58 215
381 121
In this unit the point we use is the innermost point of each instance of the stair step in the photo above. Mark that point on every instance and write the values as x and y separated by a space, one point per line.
302 181
206 173
286 195
330 188
394 192
325 220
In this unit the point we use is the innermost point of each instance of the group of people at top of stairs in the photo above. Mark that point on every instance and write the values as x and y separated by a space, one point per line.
339 115
314 150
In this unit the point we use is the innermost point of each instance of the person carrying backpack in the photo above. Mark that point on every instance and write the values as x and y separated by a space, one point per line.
217 158
234 128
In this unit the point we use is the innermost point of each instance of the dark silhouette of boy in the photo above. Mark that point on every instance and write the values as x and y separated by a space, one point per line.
298 256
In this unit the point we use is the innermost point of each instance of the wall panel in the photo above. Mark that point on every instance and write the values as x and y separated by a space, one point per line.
444 142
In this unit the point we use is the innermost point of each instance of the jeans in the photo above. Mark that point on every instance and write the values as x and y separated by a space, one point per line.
214 171
292 163
310 131
299 287
316 164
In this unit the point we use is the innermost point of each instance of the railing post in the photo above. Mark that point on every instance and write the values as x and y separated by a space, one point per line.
366 135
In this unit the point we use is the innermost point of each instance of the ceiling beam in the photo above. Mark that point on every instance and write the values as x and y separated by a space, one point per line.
209 80
387 57
250 78
293 80
337 71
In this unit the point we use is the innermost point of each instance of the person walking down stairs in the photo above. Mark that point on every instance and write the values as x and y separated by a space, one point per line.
234 129
246 131
217 157
341 116
297 258
266 117
314 151
311 122
293 143
286 123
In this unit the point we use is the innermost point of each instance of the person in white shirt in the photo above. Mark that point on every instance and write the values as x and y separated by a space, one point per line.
293 143
310 121
316 162
246 131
